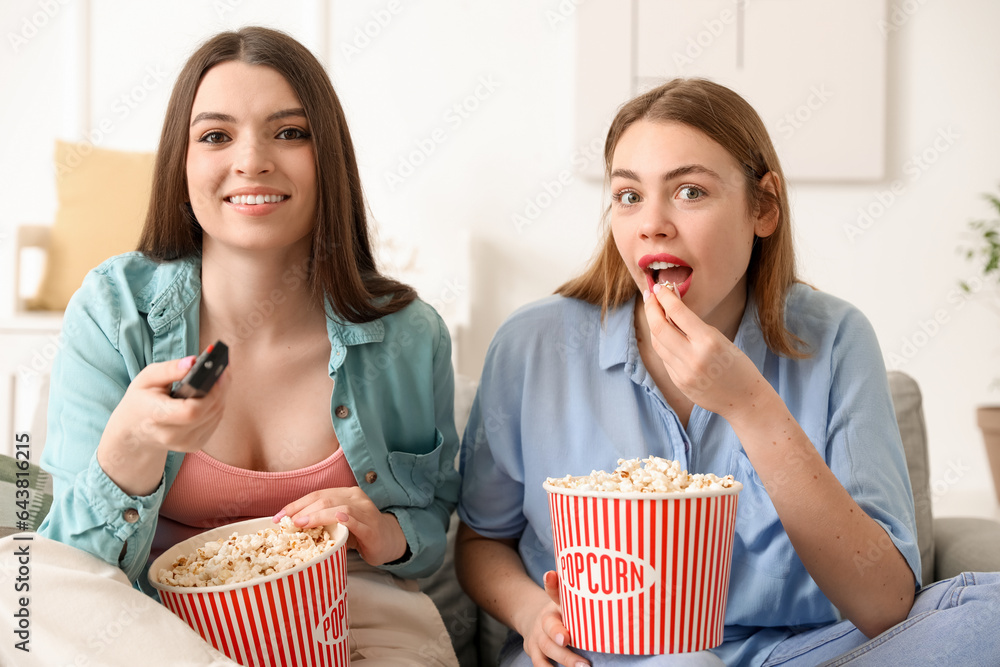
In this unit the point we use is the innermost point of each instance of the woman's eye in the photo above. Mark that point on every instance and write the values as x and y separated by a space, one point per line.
629 198
691 193
292 133
214 138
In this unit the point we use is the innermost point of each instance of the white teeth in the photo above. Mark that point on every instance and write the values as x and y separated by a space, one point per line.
661 265
253 200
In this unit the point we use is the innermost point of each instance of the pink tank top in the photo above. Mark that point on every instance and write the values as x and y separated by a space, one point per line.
208 493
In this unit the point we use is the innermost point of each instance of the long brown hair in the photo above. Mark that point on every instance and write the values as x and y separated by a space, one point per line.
342 265
732 123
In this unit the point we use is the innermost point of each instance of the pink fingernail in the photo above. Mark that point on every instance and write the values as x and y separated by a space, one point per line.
645 295
302 520
279 516
561 640
341 517
656 288
185 363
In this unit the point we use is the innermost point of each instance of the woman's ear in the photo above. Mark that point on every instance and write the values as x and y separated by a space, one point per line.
769 212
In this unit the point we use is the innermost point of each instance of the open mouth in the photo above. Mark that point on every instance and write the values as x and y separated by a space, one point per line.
666 270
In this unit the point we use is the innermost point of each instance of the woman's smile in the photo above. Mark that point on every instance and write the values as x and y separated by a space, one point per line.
256 201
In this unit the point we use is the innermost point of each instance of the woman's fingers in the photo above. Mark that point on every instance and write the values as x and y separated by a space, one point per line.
669 341
148 416
676 311
551 582
164 373
554 639
557 641
702 363
376 535
301 510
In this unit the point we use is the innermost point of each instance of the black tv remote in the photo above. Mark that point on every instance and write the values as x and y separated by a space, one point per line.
206 370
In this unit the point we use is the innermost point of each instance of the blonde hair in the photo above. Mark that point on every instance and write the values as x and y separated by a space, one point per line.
730 121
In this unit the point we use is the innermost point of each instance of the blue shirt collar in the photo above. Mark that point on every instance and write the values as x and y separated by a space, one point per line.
175 285
617 337
353 333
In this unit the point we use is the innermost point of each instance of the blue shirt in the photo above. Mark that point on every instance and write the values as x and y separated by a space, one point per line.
393 375
562 394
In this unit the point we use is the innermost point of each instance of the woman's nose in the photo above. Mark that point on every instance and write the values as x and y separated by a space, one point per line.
253 158
656 222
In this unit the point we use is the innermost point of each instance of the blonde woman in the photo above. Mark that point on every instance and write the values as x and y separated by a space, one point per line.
690 338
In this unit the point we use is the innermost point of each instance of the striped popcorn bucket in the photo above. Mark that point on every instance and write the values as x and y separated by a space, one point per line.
295 617
643 573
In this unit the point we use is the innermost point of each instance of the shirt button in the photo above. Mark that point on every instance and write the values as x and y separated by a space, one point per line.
131 515
371 476
341 411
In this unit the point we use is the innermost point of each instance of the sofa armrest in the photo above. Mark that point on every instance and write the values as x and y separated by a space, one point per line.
965 544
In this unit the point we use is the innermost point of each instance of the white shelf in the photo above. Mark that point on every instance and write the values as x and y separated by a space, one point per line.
29 323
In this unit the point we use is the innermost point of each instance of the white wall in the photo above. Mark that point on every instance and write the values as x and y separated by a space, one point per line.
510 69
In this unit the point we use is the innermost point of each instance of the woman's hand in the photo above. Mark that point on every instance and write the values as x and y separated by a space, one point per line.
375 535
545 636
702 363
148 423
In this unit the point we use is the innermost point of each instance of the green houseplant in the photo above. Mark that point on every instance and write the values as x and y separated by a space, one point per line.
984 252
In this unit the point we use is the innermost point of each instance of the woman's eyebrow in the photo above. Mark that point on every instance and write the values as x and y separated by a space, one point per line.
212 115
670 175
690 169
297 112
625 173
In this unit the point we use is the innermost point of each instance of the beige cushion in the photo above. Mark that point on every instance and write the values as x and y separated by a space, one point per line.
103 195
908 403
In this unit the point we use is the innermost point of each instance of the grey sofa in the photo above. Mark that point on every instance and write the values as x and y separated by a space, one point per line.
948 546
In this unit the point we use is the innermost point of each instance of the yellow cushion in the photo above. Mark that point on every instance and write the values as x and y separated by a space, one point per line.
103 195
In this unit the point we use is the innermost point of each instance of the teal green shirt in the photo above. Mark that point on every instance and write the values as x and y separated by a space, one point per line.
394 375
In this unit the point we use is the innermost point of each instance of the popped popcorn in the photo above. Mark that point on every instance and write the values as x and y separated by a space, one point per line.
244 557
658 475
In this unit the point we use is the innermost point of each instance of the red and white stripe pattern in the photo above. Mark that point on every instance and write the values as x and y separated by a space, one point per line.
300 619
643 577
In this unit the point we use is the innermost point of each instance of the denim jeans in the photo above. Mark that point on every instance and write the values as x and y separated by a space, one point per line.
952 622
513 655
